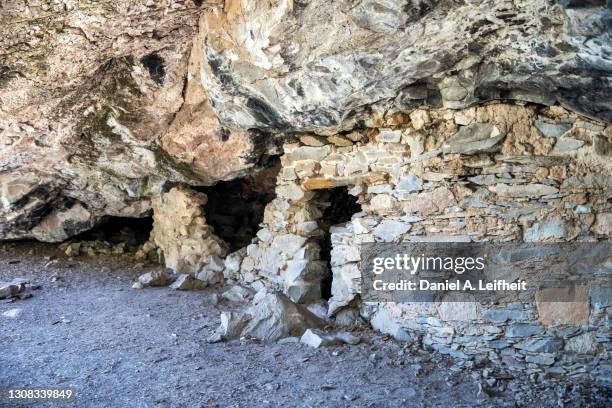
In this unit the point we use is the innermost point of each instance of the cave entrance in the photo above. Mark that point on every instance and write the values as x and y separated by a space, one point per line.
338 206
115 230
236 208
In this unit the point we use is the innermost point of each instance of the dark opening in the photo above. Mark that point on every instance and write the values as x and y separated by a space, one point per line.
236 208
156 67
338 207
115 230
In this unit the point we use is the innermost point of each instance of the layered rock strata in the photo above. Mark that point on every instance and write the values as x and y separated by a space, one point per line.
100 107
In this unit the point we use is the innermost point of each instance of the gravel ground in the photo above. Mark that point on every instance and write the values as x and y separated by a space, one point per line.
86 328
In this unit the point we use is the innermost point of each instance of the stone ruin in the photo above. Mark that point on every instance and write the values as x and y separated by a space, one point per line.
500 172
438 122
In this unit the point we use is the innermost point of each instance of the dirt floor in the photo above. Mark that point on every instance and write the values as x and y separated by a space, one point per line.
86 328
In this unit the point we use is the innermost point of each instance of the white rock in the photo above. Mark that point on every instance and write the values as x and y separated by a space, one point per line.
526 190
293 192
264 234
359 226
309 153
389 136
305 270
419 118
458 307
545 229
184 282
409 183
380 188
208 277
355 191
155 278
316 338
233 262
237 293
288 243
252 250
319 309
231 326
390 230
342 254
583 344
306 228
270 317
386 322
382 203
12 313
358 164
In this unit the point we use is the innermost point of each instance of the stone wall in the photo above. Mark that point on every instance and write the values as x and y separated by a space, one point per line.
180 232
494 173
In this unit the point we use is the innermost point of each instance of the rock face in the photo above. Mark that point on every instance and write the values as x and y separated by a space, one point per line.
84 93
327 66
100 106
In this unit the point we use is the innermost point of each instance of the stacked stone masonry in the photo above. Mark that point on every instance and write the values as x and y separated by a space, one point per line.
498 173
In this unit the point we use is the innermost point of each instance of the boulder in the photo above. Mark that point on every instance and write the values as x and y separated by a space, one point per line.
269 317
155 278
231 326
185 282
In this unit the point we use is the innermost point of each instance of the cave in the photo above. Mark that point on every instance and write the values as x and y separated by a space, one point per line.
116 230
235 208
338 206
